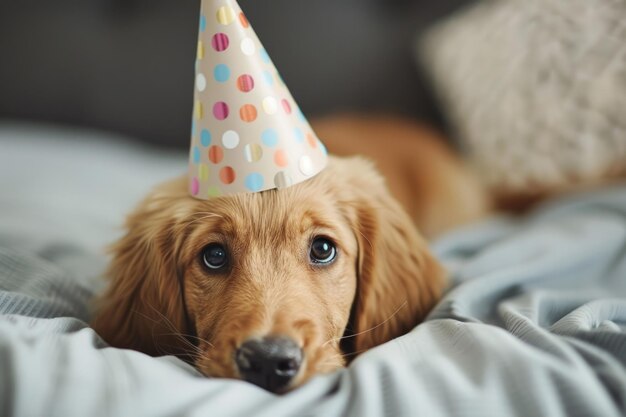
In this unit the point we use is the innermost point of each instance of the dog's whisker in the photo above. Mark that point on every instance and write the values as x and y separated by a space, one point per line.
337 339
180 336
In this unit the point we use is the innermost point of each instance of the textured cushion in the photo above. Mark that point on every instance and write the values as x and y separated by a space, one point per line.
536 89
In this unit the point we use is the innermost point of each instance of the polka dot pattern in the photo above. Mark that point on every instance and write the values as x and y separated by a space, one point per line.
230 139
220 110
282 180
213 192
221 73
244 21
298 134
225 15
228 175
269 78
205 137
220 42
286 106
248 135
198 110
280 158
216 154
270 105
245 83
195 186
248 47
203 172
254 182
265 57
200 82
248 113
253 152
270 137
200 52
306 166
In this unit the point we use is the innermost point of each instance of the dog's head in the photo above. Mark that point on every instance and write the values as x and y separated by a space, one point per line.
271 287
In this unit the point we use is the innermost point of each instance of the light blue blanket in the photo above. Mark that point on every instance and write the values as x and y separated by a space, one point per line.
534 325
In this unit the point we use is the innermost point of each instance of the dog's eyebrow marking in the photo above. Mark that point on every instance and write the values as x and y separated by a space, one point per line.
207 215
312 221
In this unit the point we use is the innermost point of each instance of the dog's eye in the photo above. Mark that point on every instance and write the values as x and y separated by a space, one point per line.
323 251
215 256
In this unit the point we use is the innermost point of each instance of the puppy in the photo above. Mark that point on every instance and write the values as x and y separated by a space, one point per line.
278 286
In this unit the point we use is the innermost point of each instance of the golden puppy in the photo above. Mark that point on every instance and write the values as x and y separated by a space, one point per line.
278 286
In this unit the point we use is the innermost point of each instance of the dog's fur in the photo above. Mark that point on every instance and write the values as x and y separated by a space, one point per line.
161 299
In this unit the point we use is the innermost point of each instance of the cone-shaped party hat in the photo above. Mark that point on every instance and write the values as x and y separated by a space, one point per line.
248 134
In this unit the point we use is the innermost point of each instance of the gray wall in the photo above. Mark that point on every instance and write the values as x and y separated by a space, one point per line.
127 65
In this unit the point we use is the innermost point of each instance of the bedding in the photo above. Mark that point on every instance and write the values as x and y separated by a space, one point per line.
534 323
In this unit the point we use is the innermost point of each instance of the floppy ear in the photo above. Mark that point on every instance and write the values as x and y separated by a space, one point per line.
399 280
143 306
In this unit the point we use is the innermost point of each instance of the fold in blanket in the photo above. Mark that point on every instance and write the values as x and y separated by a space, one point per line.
534 323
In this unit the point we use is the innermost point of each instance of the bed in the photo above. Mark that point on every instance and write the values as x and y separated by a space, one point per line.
534 323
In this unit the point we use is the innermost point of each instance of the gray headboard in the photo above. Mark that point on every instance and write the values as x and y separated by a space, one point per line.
127 65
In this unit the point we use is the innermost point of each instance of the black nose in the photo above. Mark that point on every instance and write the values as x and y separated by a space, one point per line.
270 363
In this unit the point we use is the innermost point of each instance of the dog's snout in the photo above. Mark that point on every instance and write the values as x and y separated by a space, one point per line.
271 363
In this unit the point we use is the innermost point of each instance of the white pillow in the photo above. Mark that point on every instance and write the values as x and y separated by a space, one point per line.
535 89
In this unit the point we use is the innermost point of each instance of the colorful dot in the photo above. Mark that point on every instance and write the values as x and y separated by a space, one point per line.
269 78
280 158
248 113
220 110
244 20
265 57
253 152
220 42
301 115
282 180
230 139
203 172
216 154
299 135
202 23
195 186
254 182
312 140
198 110
214 192
196 155
286 106
200 50
200 82
248 47
270 105
225 15
306 166
269 138
205 137
227 175
221 73
245 83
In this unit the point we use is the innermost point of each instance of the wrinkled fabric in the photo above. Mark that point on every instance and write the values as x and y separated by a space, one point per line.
533 324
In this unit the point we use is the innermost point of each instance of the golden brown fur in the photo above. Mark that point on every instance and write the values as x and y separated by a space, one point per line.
385 280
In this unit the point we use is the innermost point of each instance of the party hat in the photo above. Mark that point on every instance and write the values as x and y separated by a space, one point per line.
248 134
